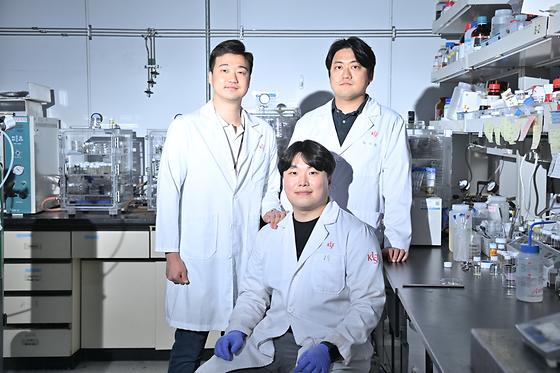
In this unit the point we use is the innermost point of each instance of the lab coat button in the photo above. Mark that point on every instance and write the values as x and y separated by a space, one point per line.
290 309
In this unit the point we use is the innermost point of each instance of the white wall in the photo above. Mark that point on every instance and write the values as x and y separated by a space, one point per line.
107 75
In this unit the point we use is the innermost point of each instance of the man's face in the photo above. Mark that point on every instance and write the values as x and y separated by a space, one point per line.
349 79
230 77
306 188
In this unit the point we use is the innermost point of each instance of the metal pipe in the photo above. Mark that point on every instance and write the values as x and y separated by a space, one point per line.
207 39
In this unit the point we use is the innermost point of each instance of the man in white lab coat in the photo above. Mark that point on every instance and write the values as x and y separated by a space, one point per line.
372 177
313 290
217 178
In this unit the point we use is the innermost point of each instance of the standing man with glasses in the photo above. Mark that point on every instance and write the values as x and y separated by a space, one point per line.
372 177
217 178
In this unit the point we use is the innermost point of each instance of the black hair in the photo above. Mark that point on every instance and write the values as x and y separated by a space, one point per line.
363 52
313 153
233 47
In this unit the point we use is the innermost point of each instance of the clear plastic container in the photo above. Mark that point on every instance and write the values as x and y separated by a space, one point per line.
460 228
498 208
500 22
518 22
529 275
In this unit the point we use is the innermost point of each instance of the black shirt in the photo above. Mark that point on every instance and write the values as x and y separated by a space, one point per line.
343 122
302 231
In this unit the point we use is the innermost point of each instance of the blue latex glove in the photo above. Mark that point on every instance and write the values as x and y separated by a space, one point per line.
229 344
315 359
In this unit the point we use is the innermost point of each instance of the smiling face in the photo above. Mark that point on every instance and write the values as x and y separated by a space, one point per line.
230 78
349 79
306 188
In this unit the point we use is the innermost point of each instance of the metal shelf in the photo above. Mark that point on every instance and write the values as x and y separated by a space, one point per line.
452 21
535 46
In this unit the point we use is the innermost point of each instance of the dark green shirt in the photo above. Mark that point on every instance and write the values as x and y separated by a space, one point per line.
343 122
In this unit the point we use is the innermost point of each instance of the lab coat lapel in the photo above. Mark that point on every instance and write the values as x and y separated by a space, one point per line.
364 123
251 140
216 142
329 138
320 232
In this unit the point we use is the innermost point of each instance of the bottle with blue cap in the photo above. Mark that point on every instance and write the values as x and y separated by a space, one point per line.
529 281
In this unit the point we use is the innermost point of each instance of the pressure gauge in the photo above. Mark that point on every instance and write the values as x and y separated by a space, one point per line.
264 98
18 170
492 186
464 185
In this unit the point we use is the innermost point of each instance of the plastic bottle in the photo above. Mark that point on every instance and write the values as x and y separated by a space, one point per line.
498 208
469 42
517 23
529 274
480 213
481 33
460 227
500 22
529 279
438 59
447 54
462 40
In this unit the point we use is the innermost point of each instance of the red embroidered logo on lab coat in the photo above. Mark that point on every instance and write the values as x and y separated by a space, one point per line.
373 257
374 134
261 146
330 245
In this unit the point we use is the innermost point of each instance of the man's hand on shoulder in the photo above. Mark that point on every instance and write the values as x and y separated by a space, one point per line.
395 255
273 217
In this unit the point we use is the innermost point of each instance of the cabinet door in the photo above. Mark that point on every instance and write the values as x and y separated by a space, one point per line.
36 245
118 304
111 244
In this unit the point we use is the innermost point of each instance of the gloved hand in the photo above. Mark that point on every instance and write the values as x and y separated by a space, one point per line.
229 344
315 359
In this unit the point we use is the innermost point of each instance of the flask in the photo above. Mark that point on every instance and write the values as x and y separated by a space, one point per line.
481 33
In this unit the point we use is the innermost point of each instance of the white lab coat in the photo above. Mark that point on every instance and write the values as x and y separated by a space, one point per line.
210 214
372 175
335 292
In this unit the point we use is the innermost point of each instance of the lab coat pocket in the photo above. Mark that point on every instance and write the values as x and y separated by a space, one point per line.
200 236
328 273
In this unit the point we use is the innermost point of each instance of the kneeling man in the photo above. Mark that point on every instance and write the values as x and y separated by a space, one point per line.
313 291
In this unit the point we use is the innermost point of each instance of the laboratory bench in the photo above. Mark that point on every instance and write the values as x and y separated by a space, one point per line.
88 284
444 318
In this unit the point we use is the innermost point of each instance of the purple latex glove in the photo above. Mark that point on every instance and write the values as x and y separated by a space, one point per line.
229 344
315 359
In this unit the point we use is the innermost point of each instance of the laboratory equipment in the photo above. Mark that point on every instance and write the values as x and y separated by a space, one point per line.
431 154
426 215
95 169
529 279
34 175
282 119
155 140
460 219
543 335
